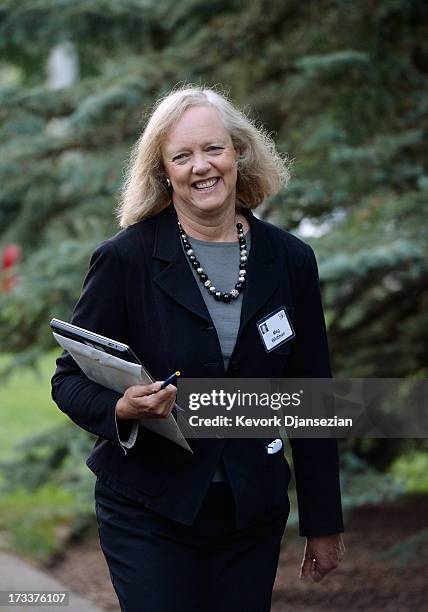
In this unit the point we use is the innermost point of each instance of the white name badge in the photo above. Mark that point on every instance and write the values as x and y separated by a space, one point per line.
275 329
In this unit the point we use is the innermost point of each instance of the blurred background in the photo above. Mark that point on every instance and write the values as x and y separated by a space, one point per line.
342 85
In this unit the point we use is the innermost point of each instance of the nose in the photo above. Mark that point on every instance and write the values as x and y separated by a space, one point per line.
201 165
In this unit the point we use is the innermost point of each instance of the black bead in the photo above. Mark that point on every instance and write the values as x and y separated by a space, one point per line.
218 295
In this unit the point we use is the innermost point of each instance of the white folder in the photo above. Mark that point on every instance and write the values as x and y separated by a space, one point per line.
118 374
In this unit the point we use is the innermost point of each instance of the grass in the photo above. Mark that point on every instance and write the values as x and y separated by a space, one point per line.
38 522
33 522
26 406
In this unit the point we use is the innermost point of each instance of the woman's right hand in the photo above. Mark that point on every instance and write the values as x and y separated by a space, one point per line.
146 402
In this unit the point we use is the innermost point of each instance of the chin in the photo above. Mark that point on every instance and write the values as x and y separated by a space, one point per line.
212 203
210 206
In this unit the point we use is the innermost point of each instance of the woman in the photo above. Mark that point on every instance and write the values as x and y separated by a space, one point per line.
185 284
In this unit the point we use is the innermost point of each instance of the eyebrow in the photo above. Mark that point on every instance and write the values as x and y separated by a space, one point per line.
176 151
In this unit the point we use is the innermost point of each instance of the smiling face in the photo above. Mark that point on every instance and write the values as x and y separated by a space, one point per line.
200 161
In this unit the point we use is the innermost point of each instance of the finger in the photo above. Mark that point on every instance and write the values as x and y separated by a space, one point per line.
320 570
155 398
155 404
156 386
168 393
158 408
316 574
161 402
144 390
171 388
305 569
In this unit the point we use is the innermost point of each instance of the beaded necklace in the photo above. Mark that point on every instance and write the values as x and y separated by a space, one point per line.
220 296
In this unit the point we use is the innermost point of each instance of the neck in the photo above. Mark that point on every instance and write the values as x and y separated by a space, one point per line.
220 227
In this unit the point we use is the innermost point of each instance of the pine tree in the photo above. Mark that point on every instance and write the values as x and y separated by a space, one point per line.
341 84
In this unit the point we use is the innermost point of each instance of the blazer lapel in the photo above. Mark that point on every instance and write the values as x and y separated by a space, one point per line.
262 272
176 279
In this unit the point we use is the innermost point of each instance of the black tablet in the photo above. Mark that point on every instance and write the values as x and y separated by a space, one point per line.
95 340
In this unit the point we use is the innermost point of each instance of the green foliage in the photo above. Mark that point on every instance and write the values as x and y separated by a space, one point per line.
45 292
25 404
332 63
48 455
28 30
412 469
374 269
46 490
343 85
362 484
37 523
47 497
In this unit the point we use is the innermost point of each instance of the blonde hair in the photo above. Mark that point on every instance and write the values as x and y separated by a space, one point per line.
261 170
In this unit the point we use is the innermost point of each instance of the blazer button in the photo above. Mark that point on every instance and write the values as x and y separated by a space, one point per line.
210 328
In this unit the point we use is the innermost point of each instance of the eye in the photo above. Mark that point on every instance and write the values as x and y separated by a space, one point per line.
179 157
215 149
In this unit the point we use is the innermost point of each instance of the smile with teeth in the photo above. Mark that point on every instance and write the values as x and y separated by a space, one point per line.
207 184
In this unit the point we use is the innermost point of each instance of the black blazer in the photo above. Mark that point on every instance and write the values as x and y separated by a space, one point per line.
140 290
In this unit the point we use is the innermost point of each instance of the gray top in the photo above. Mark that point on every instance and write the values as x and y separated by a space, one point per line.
220 261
